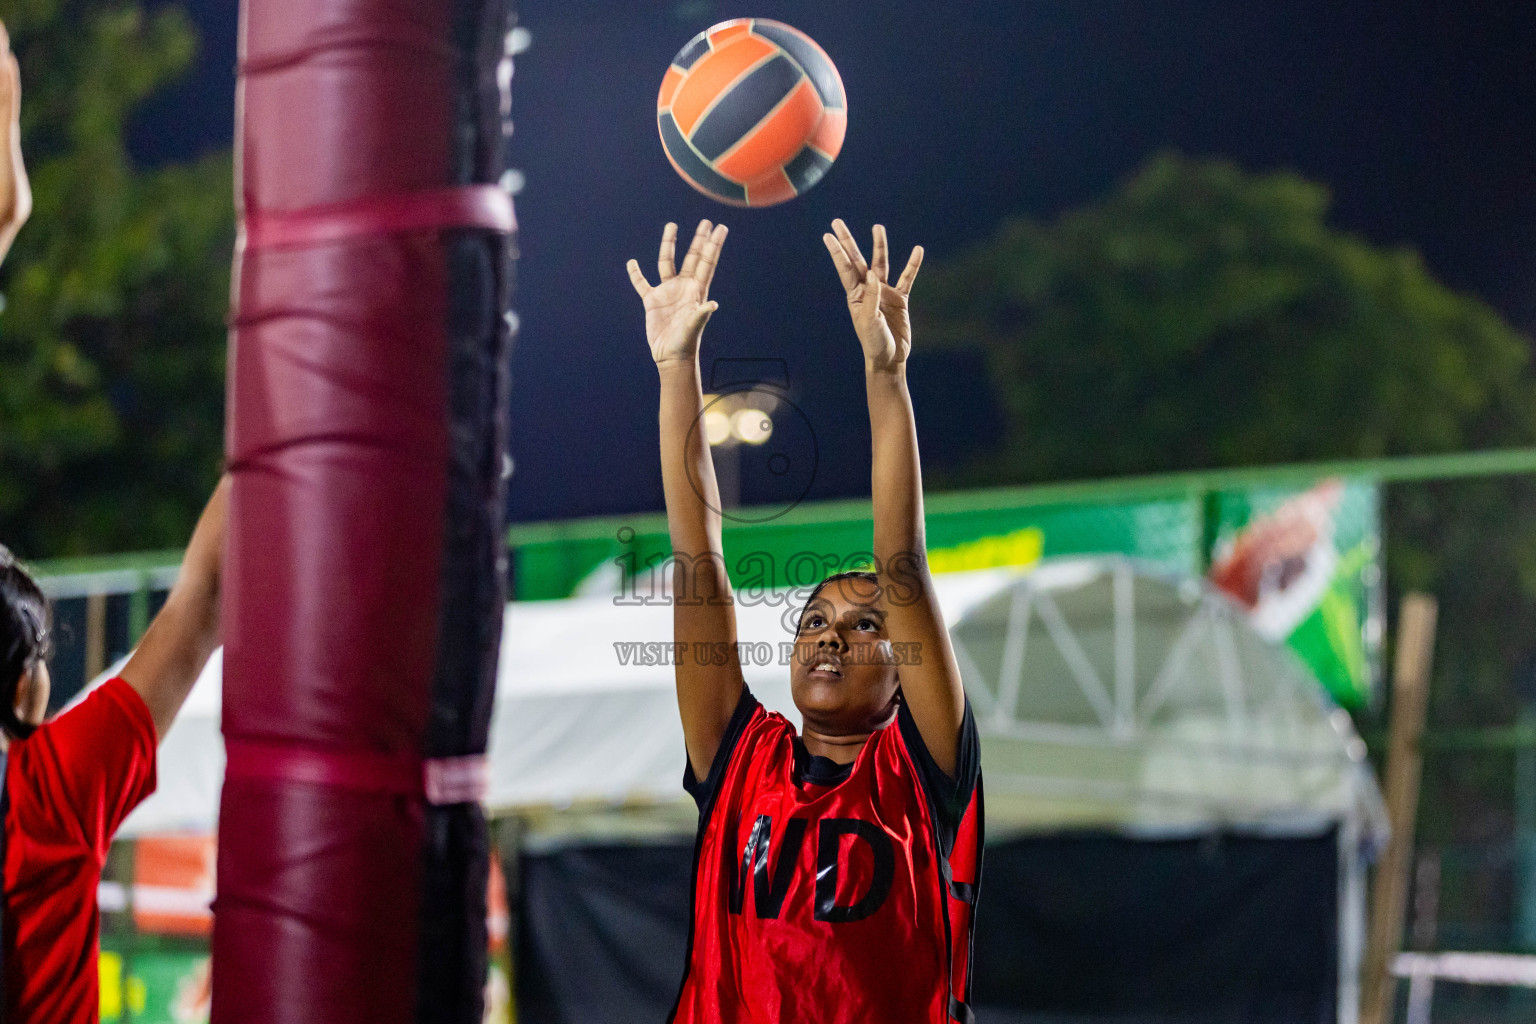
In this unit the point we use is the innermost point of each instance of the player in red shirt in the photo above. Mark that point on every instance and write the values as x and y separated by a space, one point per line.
68 783
836 869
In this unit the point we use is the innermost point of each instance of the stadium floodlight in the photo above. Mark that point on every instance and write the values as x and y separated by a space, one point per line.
752 426
717 427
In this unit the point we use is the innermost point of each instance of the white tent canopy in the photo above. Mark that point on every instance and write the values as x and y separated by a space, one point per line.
1106 697
1112 697
577 721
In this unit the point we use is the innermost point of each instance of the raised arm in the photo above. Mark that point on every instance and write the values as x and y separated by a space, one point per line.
703 614
186 631
930 684
15 192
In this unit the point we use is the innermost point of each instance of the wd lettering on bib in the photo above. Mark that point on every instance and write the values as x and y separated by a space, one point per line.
834 902
769 896
829 847
771 884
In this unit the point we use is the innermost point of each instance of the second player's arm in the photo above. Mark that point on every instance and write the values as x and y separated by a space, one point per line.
185 633
709 678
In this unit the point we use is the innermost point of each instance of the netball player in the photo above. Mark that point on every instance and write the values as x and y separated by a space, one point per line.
68 783
836 869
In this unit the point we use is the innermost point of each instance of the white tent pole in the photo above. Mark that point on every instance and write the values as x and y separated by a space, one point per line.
1229 672
1077 662
1172 672
1125 651
974 679
1011 675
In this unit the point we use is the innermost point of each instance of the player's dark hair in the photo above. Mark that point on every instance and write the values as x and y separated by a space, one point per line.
23 637
851 574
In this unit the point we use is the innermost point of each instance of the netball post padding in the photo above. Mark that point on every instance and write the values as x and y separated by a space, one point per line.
366 570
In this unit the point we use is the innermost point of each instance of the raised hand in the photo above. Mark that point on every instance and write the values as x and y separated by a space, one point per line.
879 310
15 192
678 307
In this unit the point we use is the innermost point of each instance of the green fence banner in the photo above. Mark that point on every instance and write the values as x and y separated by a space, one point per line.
1303 562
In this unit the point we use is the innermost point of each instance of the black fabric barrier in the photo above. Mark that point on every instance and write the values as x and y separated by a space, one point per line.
601 934
473 587
1078 929
1104 928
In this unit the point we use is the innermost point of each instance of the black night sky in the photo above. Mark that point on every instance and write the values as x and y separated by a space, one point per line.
1419 116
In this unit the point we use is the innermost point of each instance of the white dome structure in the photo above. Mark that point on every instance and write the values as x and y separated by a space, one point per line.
1110 696
1115 701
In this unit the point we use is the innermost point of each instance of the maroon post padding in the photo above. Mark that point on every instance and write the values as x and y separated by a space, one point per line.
338 446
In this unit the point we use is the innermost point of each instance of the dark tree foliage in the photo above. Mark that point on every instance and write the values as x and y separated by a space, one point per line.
1200 317
112 335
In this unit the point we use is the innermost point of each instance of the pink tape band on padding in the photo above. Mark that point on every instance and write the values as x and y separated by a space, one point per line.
440 780
339 769
458 780
487 207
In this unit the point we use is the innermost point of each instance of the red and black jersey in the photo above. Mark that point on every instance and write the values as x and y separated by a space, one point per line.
832 894
70 784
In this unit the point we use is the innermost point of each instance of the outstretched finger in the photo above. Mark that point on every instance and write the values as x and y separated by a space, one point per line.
880 254
694 247
850 276
709 257
664 260
665 267
636 278
908 275
850 247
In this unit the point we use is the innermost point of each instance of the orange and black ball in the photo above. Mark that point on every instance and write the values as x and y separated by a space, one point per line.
752 112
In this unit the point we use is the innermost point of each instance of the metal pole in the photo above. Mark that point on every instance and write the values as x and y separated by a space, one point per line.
1525 838
1421 990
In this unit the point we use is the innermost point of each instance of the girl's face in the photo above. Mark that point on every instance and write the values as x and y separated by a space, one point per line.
843 678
